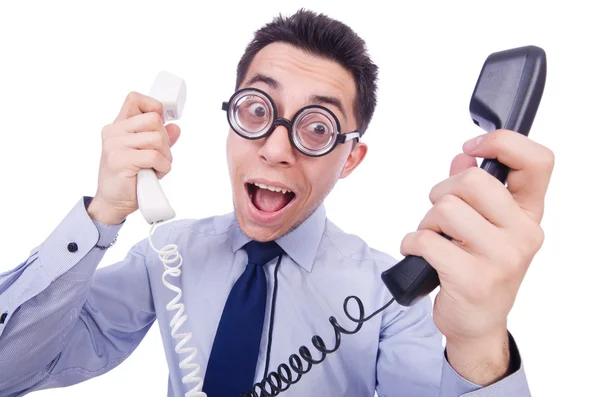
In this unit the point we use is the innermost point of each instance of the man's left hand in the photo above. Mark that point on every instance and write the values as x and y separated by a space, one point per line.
496 233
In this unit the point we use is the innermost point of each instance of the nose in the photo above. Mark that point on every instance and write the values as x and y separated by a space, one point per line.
277 148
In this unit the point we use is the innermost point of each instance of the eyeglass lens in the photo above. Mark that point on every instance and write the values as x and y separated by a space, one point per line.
313 129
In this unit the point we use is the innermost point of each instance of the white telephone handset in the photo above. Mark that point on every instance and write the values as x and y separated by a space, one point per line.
170 90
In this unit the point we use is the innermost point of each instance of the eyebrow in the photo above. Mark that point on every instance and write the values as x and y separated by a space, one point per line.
261 78
317 99
329 100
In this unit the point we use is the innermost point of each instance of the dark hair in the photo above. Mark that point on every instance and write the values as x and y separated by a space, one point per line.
320 35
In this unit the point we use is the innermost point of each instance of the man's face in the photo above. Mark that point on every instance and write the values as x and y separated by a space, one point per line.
291 77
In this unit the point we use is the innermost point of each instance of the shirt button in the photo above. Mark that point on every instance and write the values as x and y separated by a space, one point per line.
72 247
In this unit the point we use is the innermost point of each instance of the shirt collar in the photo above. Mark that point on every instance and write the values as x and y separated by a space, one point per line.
300 244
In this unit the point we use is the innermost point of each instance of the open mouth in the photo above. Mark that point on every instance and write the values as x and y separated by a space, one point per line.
269 199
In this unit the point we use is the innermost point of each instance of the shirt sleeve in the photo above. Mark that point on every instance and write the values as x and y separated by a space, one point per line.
412 361
409 361
62 320
513 385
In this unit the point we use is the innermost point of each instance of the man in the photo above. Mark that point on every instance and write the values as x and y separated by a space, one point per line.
65 321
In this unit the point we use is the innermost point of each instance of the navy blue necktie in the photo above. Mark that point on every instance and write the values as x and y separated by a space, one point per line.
232 363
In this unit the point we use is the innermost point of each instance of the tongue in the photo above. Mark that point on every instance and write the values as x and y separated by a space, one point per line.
268 200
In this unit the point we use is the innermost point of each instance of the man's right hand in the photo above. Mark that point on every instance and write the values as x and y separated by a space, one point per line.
136 139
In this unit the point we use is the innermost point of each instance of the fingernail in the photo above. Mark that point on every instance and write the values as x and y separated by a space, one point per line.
471 144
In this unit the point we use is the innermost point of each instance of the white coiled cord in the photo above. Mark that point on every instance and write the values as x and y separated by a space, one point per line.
169 255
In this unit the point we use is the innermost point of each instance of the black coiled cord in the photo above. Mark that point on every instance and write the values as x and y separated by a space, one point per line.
282 379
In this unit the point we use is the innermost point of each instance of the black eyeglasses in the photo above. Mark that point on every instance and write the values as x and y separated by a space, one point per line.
314 130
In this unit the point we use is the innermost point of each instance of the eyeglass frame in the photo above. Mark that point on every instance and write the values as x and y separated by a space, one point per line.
340 137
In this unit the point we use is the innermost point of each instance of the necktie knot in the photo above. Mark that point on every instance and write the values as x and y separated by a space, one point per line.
260 253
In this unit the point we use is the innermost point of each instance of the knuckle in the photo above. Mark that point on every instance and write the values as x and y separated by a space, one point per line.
415 242
162 145
532 240
156 120
528 229
404 244
109 144
538 236
491 138
446 205
159 107
502 133
106 131
512 260
155 157
433 194
422 238
473 177
496 137
132 97
548 160
163 164
104 156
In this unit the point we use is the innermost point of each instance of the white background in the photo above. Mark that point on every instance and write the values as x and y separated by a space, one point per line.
67 67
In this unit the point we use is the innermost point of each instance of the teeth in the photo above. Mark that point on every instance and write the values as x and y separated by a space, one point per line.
271 188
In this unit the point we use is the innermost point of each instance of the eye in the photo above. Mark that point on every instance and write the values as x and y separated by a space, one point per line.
258 109
318 128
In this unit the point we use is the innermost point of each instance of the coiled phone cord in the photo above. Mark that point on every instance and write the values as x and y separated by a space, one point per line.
282 379
168 255
277 381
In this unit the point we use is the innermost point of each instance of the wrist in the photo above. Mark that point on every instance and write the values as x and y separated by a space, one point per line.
103 213
483 361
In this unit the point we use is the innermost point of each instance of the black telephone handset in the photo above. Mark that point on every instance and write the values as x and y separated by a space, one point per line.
506 96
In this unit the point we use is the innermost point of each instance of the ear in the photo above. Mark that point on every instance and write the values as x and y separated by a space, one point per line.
355 157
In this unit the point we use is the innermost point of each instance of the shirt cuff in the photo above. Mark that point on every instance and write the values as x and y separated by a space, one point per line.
108 233
73 239
64 251
514 384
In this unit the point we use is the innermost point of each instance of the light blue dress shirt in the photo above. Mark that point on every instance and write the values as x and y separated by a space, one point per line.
64 320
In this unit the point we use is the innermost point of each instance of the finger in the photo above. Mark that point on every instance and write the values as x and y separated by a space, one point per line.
443 255
173 132
484 193
151 121
142 122
471 231
461 162
137 103
146 159
149 140
530 162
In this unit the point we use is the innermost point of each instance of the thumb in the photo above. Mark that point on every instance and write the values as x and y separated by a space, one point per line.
461 162
174 132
